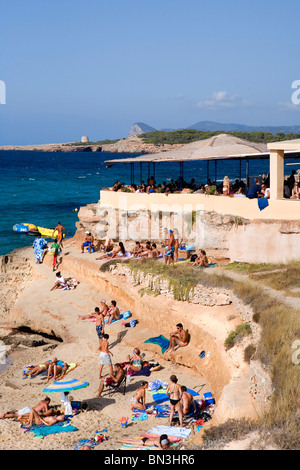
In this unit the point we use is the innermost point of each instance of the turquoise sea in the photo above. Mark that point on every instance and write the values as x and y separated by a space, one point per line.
43 188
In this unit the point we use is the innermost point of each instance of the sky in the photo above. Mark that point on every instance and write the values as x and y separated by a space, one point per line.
70 68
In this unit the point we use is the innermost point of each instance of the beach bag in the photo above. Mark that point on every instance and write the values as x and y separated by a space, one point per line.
193 257
126 315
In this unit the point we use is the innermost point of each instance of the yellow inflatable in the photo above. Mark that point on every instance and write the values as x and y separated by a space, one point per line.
47 232
31 227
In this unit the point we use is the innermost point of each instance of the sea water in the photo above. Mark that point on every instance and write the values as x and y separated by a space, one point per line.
44 188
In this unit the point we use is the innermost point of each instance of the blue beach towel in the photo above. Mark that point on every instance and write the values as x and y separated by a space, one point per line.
42 430
262 203
162 397
160 341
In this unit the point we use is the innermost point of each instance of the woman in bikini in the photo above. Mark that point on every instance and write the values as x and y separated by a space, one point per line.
162 442
138 401
174 391
135 361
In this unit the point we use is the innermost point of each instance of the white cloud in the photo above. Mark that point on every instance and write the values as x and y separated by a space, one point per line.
221 100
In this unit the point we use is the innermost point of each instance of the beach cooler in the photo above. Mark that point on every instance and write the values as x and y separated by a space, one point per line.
209 399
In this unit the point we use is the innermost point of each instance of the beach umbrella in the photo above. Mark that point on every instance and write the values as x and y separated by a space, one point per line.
65 386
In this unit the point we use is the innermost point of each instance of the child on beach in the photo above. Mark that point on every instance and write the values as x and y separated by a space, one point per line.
55 247
105 358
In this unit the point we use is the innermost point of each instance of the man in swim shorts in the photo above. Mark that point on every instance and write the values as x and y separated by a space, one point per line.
60 233
178 337
105 354
169 255
88 241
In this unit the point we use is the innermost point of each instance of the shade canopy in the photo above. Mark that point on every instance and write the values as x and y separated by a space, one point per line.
65 386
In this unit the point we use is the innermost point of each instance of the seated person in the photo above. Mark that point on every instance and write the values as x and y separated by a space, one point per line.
187 402
135 362
179 337
138 249
138 401
113 312
254 191
147 252
239 193
88 241
107 245
154 251
113 381
201 259
60 282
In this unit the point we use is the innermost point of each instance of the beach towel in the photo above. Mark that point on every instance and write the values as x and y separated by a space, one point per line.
85 442
42 430
262 203
171 431
173 439
161 397
72 366
133 447
145 370
160 341
155 385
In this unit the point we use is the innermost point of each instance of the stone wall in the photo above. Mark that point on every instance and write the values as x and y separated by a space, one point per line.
209 296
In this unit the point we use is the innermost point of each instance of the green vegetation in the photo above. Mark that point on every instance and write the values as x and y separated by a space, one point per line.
98 142
280 327
235 336
186 136
285 277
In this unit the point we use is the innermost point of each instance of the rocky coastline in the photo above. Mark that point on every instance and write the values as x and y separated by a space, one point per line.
132 144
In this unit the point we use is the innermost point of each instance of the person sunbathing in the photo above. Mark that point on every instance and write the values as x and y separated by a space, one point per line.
113 312
179 337
135 362
38 369
187 402
201 259
42 408
162 442
117 252
137 250
60 282
138 401
56 369
35 418
106 246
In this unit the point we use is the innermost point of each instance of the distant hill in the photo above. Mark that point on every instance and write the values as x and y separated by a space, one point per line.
233 127
211 126
140 128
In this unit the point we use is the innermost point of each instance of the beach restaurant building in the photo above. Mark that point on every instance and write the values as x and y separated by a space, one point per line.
221 147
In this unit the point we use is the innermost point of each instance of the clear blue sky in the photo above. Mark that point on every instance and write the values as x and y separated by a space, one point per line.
74 68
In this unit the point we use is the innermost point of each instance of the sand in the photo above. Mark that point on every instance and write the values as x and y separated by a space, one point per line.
57 312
